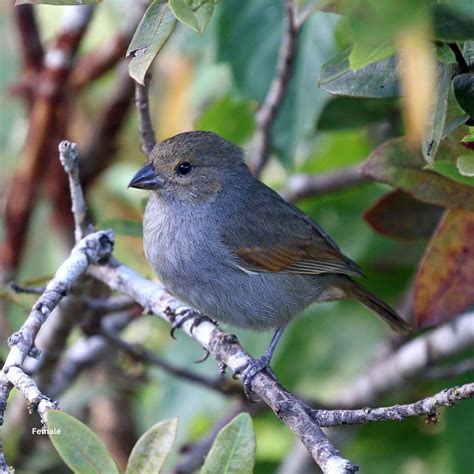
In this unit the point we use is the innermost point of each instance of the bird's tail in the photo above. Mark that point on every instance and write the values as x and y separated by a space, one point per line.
388 314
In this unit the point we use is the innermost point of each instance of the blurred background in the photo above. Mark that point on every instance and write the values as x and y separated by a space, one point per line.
212 81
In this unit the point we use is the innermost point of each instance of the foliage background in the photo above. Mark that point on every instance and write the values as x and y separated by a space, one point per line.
214 82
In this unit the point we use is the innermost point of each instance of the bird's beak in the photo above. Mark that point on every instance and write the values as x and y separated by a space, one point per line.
146 178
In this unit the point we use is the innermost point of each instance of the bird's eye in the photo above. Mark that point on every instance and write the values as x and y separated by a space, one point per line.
184 168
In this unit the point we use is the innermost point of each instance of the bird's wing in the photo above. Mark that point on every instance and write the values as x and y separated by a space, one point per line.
275 236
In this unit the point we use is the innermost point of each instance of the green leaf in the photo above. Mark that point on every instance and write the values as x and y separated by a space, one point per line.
233 450
123 227
193 13
152 33
343 113
437 115
378 79
151 450
243 26
450 170
463 85
57 2
455 116
453 21
230 117
393 163
445 54
465 164
363 54
78 445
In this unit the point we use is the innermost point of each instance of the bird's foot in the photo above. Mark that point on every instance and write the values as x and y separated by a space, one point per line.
200 319
179 319
248 372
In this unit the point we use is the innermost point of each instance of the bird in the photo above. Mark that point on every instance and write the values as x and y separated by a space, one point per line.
230 247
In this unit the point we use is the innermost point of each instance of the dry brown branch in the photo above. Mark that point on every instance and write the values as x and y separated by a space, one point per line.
145 126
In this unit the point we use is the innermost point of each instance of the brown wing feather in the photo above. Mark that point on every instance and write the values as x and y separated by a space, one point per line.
275 236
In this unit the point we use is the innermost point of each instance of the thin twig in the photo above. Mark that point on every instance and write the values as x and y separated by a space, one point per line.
29 290
427 406
268 112
147 134
93 65
304 186
461 60
69 160
139 353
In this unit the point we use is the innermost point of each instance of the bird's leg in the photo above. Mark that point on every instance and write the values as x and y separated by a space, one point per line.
248 371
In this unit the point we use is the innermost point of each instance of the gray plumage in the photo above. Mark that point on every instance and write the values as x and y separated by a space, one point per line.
229 246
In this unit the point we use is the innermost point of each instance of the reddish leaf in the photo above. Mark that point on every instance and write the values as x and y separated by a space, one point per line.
444 284
400 216
393 163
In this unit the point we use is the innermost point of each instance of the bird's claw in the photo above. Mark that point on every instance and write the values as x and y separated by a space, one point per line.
178 323
199 319
249 370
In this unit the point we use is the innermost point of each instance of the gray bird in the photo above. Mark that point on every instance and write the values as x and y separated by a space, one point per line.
227 245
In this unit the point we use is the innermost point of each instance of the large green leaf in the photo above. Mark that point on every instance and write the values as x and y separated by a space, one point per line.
193 13
453 21
151 450
437 114
249 35
364 54
378 79
233 450
343 113
78 445
154 29
393 163
230 117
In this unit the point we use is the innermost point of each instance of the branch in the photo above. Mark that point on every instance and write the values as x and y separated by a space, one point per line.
69 160
304 186
20 196
271 105
93 65
139 353
409 361
29 38
145 126
225 348
427 406
91 249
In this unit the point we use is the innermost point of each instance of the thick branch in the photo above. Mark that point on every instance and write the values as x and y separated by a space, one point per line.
43 124
268 112
226 349
304 186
